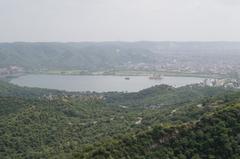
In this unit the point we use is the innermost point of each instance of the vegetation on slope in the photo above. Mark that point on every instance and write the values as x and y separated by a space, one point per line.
215 136
89 56
86 125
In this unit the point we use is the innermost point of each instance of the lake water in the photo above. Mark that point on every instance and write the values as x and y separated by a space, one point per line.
99 83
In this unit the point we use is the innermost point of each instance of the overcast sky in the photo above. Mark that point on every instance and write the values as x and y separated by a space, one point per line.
119 20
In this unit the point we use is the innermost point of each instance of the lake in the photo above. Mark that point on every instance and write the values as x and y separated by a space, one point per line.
100 83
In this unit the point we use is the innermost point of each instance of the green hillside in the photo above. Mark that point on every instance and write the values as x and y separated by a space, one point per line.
215 136
41 123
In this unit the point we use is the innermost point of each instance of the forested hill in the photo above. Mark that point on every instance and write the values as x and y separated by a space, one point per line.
215 136
72 55
89 126
95 56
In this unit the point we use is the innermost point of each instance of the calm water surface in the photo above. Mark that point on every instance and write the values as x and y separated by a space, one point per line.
99 83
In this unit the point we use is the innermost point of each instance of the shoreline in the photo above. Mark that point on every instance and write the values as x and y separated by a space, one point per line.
131 73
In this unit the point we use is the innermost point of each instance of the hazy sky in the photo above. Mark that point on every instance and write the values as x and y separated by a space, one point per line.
119 20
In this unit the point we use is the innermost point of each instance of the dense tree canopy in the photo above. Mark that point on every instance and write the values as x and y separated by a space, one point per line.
159 122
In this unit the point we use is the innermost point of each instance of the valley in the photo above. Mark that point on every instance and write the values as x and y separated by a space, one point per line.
116 100
119 79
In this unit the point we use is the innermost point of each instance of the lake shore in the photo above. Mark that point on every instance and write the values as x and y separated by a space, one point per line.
127 73
98 83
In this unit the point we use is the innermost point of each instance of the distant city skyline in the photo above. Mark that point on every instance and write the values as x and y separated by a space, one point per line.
119 20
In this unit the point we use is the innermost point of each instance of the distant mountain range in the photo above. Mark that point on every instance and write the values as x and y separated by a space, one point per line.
102 55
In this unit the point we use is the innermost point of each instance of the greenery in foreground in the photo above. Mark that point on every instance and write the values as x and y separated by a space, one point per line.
214 136
159 122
